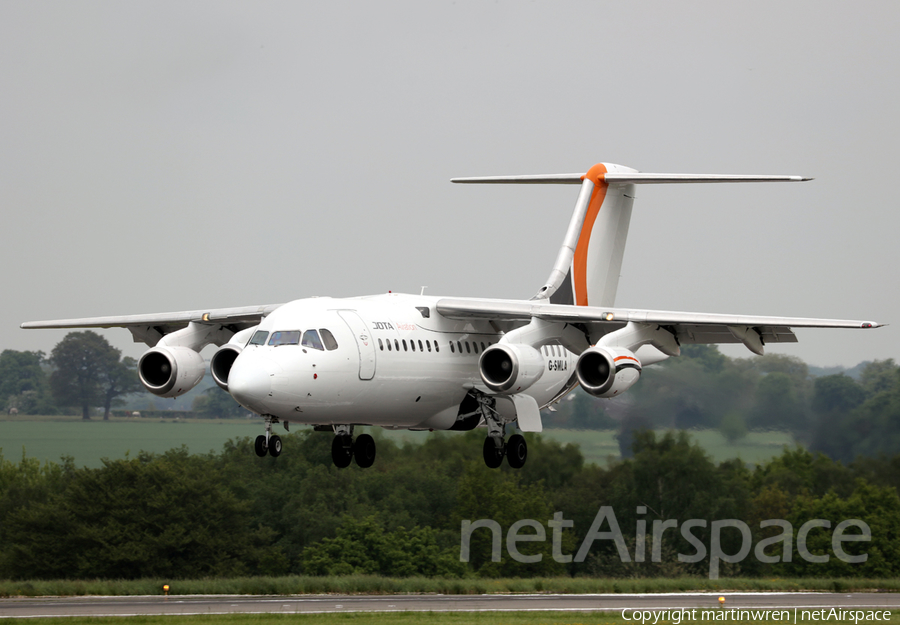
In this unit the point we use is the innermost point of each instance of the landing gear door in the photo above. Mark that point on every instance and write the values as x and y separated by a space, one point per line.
364 342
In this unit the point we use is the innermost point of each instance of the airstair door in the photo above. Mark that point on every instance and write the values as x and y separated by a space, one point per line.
364 342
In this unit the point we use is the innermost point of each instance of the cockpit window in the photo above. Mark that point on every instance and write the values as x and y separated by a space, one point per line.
311 339
259 338
328 339
287 337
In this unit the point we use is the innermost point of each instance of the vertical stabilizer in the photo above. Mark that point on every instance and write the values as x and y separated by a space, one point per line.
586 272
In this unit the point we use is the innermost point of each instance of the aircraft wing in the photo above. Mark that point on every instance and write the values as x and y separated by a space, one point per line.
688 327
151 327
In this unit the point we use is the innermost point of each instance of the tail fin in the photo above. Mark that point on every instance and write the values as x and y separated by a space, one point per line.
586 271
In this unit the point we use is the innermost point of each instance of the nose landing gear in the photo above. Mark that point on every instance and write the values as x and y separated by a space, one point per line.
269 443
344 448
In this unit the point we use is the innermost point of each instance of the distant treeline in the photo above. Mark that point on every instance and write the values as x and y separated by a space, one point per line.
178 515
836 414
85 375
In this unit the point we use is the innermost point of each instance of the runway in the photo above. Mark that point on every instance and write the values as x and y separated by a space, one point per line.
317 604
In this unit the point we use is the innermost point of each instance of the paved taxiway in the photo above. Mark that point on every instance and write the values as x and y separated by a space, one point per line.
217 604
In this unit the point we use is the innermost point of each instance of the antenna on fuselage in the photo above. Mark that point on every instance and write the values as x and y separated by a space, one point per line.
422 292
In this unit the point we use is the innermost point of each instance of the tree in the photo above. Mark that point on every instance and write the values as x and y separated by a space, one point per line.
118 378
23 383
363 547
880 375
87 372
778 406
733 427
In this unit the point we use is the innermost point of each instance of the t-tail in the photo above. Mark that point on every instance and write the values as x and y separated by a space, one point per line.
586 271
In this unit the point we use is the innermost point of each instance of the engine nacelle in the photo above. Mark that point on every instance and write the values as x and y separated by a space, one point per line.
607 371
221 362
509 368
170 371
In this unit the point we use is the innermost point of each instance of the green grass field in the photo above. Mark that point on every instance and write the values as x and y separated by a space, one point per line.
49 438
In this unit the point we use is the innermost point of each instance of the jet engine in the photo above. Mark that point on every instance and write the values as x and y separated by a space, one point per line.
220 363
607 371
170 371
510 368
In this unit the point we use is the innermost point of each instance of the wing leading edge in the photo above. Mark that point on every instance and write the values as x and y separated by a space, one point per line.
150 327
688 327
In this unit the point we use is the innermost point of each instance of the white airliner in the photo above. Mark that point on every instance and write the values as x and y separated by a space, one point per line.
432 363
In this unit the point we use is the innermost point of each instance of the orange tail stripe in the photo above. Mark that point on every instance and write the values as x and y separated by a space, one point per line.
579 264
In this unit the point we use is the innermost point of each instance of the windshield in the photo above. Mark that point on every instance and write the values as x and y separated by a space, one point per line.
286 337
311 339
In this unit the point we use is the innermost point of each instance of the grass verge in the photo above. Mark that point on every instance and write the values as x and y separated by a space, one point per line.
388 618
363 584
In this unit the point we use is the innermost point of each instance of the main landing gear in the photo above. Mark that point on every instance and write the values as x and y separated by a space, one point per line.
344 448
269 443
516 450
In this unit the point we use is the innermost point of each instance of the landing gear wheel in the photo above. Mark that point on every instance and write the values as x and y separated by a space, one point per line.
341 451
274 445
364 451
260 446
516 451
493 455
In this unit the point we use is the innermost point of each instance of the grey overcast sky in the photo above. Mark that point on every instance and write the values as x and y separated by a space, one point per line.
160 156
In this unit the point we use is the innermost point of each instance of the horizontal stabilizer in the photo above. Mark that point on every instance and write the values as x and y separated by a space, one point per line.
627 178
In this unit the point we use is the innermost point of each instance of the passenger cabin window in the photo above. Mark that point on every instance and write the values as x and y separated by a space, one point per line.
388 341
259 338
428 343
404 345
437 347
311 339
421 349
380 345
289 337
397 345
452 349
468 349
328 339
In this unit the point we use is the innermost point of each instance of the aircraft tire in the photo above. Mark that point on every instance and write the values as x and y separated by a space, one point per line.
260 446
493 457
341 451
364 451
274 445
516 451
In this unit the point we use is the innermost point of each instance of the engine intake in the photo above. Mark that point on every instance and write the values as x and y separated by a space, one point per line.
221 362
170 371
607 372
509 368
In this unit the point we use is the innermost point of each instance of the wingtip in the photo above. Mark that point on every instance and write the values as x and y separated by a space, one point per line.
872 324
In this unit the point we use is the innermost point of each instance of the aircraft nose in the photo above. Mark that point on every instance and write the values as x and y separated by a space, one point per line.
250 382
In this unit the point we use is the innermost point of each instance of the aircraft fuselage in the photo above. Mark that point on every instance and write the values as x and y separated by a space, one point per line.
394 362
